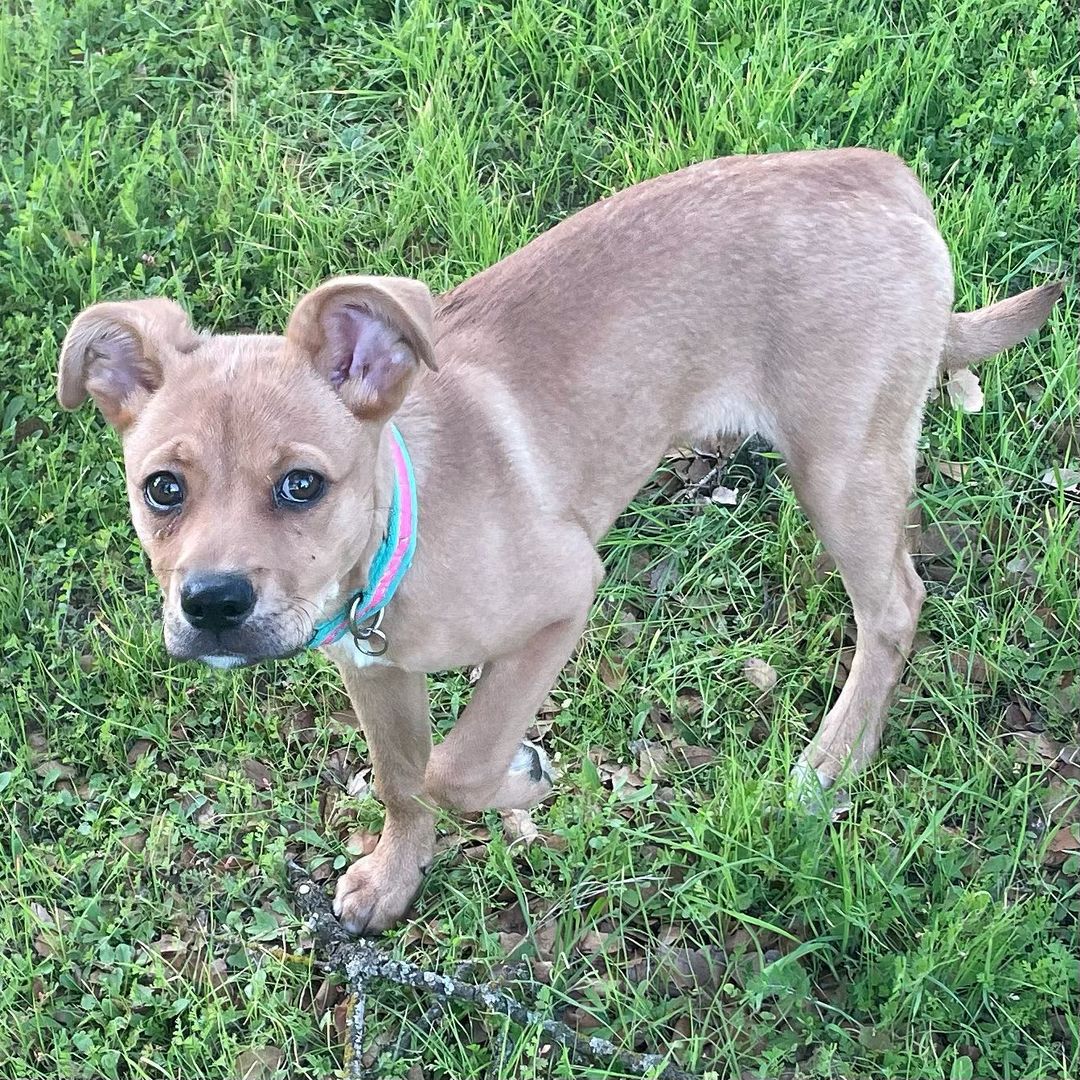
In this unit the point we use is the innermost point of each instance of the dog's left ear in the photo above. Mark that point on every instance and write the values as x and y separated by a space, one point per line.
368 336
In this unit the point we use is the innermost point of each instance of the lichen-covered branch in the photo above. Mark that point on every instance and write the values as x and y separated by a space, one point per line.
362 962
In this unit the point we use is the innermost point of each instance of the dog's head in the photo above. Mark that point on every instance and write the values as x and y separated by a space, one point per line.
251 460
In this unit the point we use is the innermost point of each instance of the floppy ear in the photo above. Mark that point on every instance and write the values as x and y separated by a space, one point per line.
368 336
112 352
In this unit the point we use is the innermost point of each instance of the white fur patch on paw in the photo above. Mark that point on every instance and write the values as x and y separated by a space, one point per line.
532 760
815 794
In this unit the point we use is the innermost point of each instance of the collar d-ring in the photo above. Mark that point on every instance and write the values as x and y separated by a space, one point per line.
365 631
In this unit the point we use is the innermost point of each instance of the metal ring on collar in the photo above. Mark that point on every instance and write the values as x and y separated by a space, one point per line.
369 638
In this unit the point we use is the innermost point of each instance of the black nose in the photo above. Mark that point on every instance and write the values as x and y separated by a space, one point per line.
216 601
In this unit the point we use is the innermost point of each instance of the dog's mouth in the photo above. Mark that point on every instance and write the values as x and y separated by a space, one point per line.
260 642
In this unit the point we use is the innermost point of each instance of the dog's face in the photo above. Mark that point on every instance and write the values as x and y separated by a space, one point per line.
252 462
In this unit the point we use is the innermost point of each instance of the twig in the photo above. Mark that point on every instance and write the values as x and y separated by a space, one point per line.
362 962
354 1054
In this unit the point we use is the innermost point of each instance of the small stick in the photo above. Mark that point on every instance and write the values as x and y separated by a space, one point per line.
362 962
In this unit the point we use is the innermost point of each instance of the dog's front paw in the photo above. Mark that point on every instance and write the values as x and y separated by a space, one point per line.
375 893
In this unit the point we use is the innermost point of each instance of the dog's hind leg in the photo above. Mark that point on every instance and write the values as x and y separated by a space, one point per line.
856 498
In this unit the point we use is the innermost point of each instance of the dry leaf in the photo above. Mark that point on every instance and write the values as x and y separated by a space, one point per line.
258 774
970 665
1037 748
509 941
692 968
651 759
543 936
362 842
139 748
258 1064
954 470
693 757
964 390
579 1019
1065 842
300 727
359 787
759 673
1062 479
612 672
593 942
518 826
664 575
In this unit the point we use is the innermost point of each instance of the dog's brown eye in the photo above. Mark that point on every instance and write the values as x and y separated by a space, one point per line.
299 487
163 491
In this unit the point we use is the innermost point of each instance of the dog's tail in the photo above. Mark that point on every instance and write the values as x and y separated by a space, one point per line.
976 335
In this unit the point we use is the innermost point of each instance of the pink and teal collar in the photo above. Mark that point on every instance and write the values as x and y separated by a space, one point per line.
362 615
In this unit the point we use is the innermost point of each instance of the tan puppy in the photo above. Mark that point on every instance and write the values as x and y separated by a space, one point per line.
805 296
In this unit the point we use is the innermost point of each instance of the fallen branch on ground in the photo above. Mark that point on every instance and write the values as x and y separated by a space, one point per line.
363 962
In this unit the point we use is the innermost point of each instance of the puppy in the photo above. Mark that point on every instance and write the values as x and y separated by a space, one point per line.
414 483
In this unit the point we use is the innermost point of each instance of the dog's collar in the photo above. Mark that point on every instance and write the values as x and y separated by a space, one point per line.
362 615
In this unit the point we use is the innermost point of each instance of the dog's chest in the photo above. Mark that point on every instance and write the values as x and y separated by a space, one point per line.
346 651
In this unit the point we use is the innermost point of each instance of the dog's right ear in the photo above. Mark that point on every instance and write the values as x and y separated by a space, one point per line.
112 351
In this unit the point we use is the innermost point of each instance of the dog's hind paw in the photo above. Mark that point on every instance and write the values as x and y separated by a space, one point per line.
531 759
814 793
529 780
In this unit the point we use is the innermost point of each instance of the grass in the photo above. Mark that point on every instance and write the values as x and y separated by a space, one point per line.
233 154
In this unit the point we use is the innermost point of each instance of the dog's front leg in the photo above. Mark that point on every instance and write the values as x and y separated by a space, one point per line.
392 706
483 763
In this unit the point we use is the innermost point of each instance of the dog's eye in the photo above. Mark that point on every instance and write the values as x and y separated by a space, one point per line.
299 487
163 491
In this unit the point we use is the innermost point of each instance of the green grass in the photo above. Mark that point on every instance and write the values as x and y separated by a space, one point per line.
232 155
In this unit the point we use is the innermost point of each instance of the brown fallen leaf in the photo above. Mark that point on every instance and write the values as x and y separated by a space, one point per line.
30 425
664 575
1066 480
1038 748
359 785
964 390
970 665
54 769
53 925
580 1020
258 774
694 757
612 672
651 760
259 1063
692 969
954 470
519 827
133 842
509 941
300 727
338 768
362 842
1064 842
139 748
759 673
543 935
